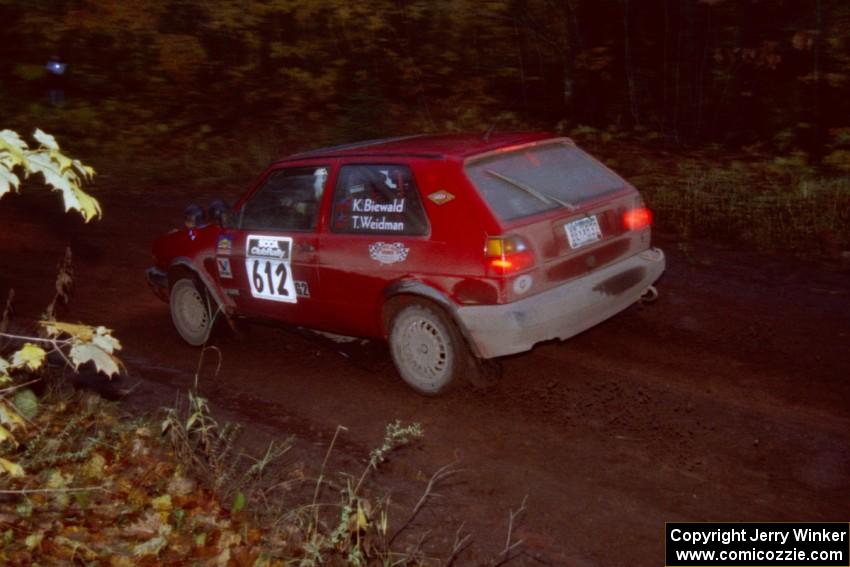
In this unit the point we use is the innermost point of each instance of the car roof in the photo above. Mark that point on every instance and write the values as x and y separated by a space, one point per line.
438 146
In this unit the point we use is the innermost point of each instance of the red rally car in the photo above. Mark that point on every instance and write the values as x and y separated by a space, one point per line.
455 249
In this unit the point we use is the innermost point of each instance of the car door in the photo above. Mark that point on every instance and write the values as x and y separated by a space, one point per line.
377 232
268 262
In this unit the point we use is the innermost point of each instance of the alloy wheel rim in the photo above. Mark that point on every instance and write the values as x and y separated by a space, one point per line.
192 311
426 350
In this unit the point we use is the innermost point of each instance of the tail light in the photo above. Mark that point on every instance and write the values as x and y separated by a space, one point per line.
507 255
637 218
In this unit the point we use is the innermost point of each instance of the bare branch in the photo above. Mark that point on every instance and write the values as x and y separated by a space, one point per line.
9 389
510 545
442 474
460 544
49 490
53 342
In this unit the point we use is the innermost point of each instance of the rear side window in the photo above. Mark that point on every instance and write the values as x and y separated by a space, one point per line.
377 199
539 178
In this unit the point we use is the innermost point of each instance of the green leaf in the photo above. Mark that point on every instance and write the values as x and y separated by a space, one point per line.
178 514
103 338
103 361
6 436
13 469
10 140
58 480
8 181
10 417
238 502
83 499
162 503
45 139
88 206
29 356
63 161
84 170
34 540
40 162
24 508
25 402
65 182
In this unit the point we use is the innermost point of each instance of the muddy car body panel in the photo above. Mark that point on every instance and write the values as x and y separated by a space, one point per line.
445 246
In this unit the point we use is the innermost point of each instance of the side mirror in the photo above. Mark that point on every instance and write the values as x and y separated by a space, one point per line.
220 212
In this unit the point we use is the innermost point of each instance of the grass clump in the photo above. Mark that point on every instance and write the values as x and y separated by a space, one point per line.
778 204
755 207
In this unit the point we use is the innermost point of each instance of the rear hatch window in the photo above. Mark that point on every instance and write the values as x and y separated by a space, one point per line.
538 178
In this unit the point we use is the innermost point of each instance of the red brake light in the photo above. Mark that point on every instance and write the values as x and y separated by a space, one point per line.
507 255
638 218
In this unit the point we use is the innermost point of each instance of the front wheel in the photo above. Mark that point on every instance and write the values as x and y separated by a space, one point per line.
427 349
190 312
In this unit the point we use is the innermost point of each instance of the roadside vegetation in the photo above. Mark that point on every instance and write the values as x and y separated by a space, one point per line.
750 197
106 488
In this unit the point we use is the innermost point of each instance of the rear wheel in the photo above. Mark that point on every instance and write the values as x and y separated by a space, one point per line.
190 311
427 349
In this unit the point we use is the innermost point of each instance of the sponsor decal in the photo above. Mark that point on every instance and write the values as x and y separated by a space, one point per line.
368 222
268 247
302 289
372 206
224 245
231 291
224 267
388 253
441 197
522 284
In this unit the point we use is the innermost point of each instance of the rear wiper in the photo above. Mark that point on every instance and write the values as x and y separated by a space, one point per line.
548 199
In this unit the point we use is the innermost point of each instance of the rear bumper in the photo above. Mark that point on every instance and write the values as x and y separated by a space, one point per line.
158 281
562 312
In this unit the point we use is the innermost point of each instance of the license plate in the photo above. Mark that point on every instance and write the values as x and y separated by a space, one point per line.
583 231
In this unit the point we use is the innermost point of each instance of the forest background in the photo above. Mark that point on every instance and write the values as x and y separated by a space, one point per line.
185 90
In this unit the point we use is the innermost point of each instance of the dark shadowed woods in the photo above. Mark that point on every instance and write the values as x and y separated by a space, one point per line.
172 79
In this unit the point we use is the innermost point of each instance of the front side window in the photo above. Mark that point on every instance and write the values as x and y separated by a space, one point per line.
288 199
538 178
377 199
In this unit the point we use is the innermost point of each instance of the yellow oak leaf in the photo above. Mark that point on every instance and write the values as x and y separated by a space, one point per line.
76 331
13 469
29 356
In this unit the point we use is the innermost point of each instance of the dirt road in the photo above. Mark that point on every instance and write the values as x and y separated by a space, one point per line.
728 399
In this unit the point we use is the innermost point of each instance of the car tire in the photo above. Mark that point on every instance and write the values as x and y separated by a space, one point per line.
190 311
429 353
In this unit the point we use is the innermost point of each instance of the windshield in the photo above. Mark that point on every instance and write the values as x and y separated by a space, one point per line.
540 178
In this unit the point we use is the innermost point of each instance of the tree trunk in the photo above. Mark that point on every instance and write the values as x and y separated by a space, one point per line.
630 75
